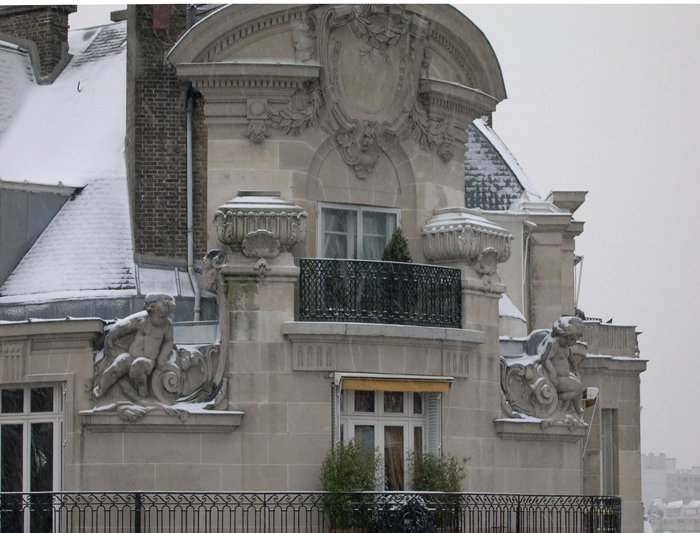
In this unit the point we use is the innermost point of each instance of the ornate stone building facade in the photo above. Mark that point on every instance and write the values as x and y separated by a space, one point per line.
325 128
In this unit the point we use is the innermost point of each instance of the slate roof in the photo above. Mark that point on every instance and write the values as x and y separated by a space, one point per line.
73 132
493 179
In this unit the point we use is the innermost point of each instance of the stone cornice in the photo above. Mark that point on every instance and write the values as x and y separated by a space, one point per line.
613 365
253 76
447 100
298 330
531 429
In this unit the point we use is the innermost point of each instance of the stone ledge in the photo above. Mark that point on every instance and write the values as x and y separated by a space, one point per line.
530 429
195 422
383 330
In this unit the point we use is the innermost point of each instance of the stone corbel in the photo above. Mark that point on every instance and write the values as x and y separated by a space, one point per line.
257 117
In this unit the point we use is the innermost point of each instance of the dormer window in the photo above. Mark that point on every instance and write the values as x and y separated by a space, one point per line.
354 232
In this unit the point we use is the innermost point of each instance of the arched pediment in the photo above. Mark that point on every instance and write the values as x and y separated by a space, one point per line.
368 75
276 32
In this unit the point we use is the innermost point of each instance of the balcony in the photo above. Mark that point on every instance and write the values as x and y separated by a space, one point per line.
308 512
379 292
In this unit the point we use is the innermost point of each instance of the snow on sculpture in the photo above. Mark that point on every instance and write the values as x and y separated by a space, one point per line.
141 369
545 381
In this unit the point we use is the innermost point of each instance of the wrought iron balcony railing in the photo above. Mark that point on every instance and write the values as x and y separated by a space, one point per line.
379 292
308 512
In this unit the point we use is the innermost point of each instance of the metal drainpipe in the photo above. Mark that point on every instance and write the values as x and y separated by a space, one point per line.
190 226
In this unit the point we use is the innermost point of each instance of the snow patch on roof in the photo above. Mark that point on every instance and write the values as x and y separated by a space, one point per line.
506 308
507 156
15 81
86 247
73 130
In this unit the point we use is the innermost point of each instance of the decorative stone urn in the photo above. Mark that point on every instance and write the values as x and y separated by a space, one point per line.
459 235
260 224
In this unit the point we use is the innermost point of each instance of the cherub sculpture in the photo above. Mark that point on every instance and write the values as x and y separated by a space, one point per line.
545 382
561 362
136 346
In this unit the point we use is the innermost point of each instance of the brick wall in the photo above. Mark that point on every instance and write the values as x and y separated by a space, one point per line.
46 26
156 142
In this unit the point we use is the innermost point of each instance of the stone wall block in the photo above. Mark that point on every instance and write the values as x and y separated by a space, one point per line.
264 418
187 477
248 387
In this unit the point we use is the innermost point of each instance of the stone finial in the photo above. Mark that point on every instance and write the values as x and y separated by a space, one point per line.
545 381
457 234
260 224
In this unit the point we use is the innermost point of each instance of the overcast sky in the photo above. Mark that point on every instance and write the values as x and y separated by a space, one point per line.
604 99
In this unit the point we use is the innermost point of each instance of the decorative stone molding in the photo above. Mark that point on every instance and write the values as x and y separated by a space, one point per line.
11 362
260 224
302 112
313 356
351 41
456 234
544 382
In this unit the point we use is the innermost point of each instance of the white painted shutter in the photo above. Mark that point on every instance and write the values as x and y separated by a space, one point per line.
433 412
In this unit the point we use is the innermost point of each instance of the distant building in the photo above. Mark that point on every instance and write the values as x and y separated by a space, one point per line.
656 470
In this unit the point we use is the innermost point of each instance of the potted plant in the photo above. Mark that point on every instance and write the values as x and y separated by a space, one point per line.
444 474
398 290
347 469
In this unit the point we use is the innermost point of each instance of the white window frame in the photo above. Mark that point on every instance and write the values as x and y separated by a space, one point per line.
26 419
359 210
379 419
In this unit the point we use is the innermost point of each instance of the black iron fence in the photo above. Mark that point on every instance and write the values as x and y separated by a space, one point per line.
306 512
383 292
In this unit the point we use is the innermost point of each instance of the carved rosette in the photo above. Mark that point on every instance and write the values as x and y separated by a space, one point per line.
455 234
260 224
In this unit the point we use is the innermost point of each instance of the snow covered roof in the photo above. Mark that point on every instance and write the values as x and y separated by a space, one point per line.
16 77
506 308
493 177
72 132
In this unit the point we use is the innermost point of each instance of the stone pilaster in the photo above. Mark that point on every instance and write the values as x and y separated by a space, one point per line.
459 238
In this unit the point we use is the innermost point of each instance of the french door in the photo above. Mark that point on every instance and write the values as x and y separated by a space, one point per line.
392 422
30 451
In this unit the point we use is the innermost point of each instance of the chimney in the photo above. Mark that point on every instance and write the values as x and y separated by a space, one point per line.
43 30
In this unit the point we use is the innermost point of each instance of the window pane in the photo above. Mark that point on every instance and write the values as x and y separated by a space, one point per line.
41 400
12 400
393 402
365 435
339 234
376 232
41 468
364 401
417 403
418 440
11 458
393 457
41 476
